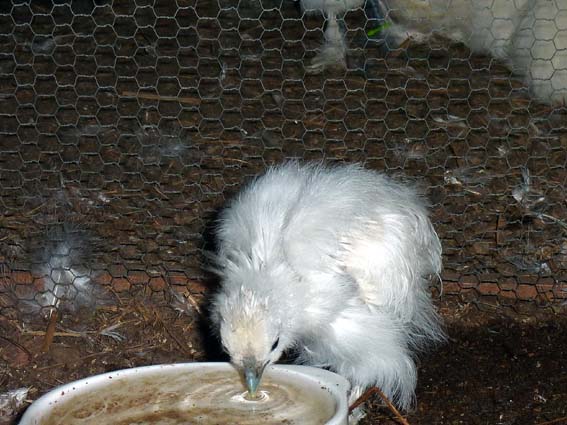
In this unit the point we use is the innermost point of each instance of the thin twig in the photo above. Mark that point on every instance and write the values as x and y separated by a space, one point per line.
36 209
402 47
50 331
554 421
151 96
318 121
555 220
172 335
375 390
62 334
15 344
500 223
236 160
51 366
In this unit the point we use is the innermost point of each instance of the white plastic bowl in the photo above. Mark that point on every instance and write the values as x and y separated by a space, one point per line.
177 393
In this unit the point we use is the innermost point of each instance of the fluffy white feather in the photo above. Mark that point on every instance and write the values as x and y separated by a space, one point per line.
67 280
333 51
531 35
333 263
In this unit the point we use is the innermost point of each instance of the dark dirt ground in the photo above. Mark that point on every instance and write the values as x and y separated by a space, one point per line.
494 369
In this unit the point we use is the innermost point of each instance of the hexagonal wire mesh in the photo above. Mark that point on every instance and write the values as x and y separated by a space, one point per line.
125 125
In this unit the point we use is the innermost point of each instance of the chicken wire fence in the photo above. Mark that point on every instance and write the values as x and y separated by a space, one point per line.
126 125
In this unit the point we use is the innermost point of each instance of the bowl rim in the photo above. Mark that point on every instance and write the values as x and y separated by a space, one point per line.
332 382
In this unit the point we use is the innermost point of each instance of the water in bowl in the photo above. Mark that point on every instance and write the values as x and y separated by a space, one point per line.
195 397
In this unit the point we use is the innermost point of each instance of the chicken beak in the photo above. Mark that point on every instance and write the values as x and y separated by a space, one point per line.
252 374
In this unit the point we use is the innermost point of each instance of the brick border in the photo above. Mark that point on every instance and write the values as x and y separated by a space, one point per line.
541 289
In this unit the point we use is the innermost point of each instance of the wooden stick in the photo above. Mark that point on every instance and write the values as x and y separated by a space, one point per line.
152 96
50 331
554 421
59 334
375 390
500 223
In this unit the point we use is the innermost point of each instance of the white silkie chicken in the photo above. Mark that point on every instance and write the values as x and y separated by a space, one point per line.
333 264
529 35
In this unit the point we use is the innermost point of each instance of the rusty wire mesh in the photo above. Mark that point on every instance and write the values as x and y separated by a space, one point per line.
125 126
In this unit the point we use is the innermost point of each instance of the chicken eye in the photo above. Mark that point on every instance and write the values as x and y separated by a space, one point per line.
275 344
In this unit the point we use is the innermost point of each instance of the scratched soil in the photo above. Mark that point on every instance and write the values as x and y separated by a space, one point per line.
494 369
